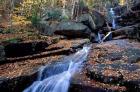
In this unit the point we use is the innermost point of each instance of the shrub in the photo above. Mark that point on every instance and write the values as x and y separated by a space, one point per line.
64 18
8 31
35 19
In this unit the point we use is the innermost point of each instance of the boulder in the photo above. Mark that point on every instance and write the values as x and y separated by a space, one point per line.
94 20
131 32
87 20
72 30
46 28
98 18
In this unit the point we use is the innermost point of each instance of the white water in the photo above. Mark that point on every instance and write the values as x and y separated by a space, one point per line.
113 18
57 78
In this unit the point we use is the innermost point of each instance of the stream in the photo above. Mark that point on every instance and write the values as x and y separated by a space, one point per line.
57 77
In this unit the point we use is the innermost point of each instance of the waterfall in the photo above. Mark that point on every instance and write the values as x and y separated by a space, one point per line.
64 8
113 18
56 77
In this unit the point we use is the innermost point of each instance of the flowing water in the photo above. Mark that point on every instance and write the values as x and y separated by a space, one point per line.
56 77
113 18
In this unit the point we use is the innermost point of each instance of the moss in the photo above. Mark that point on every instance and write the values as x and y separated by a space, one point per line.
12 40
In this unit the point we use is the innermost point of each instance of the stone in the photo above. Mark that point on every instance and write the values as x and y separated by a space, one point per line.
115 63
73 30
94 20
24 48
75 87
98 18
87 20
18 84
45 28
131 32
111 73
80 43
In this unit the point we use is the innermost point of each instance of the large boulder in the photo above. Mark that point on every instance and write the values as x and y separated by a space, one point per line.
94 21
46 28
98 18
73 30
87 20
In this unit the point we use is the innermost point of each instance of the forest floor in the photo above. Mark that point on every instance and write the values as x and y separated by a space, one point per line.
21 29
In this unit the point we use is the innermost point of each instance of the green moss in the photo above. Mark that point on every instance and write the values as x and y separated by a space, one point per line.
12 40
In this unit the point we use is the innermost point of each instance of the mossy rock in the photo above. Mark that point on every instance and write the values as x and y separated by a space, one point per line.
12 40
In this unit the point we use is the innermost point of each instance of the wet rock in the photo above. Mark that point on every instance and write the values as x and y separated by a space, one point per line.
53 69
56 47
104 74
132 54
112 73
133 85
73 30
21 76
69 44
17 84
131 32
2 53
115 63
80 44
16 76
110 56
81 83
84 88
24 48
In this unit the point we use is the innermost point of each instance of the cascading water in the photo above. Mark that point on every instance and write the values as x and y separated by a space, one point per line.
64 8
56 77
113 18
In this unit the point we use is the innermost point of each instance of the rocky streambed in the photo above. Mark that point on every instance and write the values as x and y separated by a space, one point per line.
18 72
112 66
